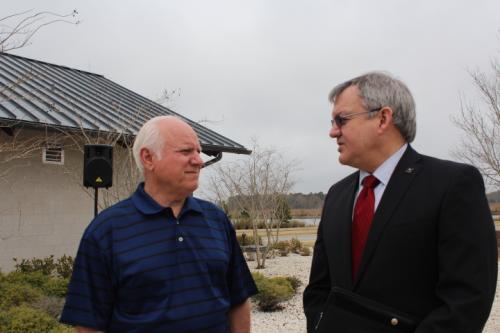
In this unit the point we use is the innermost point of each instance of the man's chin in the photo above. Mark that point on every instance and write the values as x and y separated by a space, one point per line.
342 159
193 187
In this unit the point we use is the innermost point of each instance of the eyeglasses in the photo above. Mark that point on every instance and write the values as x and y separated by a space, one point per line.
341 120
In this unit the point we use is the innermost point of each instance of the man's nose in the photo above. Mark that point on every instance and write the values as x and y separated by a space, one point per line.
196 160
334 131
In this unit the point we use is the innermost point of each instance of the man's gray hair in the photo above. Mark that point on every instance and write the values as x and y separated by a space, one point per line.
149 137
378 89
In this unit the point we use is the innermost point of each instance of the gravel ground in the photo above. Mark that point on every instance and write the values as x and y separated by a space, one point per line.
292 320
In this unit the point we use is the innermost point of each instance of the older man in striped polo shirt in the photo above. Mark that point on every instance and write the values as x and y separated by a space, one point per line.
161 260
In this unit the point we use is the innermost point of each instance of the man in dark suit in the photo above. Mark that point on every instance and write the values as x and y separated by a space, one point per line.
412 247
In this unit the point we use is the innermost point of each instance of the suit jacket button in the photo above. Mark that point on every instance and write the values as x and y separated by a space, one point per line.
394 321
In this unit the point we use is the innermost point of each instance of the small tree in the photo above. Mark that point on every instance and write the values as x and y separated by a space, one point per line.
255 185
282 213
17 30
480 145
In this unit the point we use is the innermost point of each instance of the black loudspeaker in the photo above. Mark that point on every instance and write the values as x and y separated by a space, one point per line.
98 166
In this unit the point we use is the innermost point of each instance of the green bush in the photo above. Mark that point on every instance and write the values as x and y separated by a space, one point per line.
51 305
282 281
36 279
15 294
50 286
62 267
32 296
56 287
23 319
62 329
294 282
44 265
272 291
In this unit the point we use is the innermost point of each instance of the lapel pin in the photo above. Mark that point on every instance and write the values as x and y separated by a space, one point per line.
409 170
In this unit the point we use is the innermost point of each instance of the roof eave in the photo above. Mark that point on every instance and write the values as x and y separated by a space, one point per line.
207 149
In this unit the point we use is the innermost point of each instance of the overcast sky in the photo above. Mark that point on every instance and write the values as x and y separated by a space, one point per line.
263 68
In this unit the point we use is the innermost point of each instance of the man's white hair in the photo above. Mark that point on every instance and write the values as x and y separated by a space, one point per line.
149 137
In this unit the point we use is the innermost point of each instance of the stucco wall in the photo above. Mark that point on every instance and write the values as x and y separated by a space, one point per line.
43 208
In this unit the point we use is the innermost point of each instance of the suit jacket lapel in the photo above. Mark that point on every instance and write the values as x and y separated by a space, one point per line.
400 180
338 232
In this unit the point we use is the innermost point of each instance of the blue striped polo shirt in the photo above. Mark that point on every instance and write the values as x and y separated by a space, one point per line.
140 269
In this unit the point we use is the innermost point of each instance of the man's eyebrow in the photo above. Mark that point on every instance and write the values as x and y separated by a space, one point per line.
186 148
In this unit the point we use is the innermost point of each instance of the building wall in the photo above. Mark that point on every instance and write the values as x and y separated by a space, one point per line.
44 208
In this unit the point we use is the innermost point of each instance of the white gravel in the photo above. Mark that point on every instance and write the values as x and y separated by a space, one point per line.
292 319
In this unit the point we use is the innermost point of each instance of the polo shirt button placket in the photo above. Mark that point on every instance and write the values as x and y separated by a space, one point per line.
180 239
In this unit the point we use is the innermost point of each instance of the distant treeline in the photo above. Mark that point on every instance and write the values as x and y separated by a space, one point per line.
294 201
305 201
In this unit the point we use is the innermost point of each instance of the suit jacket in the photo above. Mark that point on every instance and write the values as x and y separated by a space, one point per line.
431 253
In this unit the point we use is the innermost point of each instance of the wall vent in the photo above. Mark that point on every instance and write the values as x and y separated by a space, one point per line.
53 155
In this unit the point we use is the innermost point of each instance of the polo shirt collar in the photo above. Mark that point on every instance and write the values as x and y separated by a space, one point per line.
148 206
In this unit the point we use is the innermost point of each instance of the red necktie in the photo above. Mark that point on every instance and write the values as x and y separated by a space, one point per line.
362 220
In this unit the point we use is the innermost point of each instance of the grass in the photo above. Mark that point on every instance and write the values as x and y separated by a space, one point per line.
287 232
305 212
283 231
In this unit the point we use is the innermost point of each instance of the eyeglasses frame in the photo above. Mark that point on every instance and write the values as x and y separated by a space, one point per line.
341 120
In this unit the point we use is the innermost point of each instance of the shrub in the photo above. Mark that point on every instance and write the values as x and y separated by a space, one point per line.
295 224
15 294
49 304
62 329
284 253
35 279
306 251
23 319
56 287
50 286
44 265
272 291
283 247
295 245
294 282
247 240
62 267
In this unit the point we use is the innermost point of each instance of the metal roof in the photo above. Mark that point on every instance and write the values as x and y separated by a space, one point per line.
37 93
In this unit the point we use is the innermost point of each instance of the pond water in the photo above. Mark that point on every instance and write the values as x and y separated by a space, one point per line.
309 221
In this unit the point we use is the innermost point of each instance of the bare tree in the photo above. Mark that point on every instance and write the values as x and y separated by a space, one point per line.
480 123
255 184
14 147
17 30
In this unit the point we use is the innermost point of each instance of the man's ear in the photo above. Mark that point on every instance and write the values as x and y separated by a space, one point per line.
147 159
385 118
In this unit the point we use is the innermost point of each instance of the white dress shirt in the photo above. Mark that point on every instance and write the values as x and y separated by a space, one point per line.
383 173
